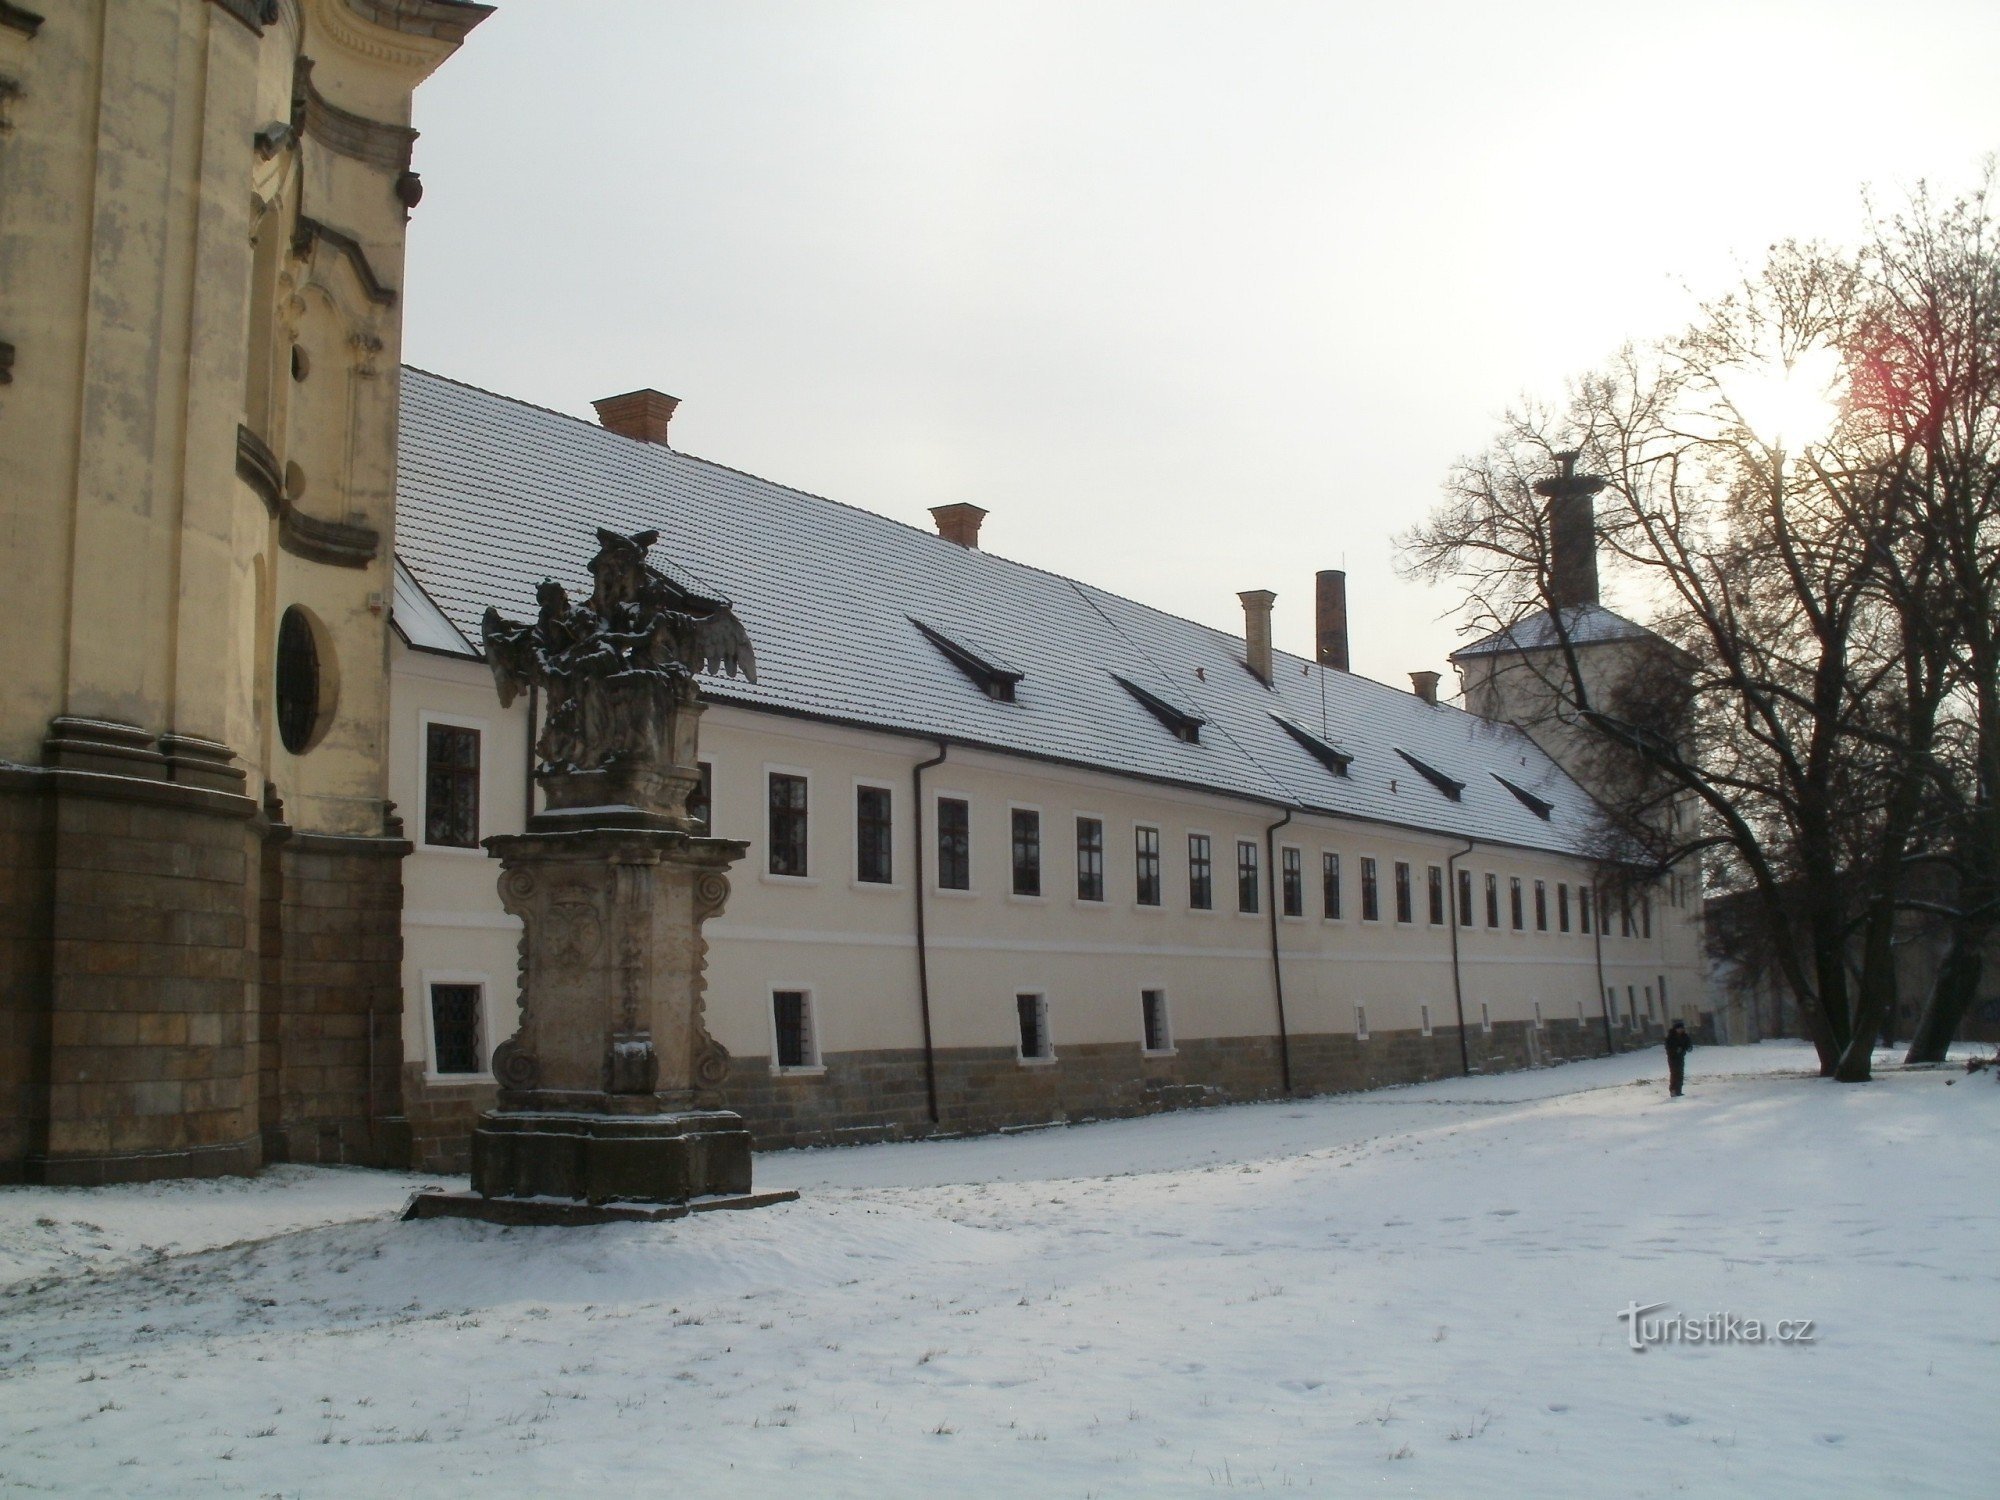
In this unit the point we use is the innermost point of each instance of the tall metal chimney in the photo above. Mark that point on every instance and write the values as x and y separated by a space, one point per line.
1257 632
1330 618
1572 533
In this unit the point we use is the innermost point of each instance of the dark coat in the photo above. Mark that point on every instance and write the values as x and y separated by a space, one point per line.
1679 1045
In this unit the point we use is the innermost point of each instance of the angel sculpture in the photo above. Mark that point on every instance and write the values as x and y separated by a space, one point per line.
614 669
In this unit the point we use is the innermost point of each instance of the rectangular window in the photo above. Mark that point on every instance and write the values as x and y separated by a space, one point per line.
1146 865
1027 841
455 1027
701 801
1424 1018
1294 883
1485 1017
788 824
1541 906
1246 876
1538 1015
1632 1004
872 859
1405 908
1492 899
1153 1019
1361 1023
1579 1016
1437 895
954 852
1649 1002
1646 916
1514 912
1585 900
1663 997
1624 914
1201 872
1329 885
1371 894
1089 859
1033 1013
791 1023
1465 898
451 786
1562 905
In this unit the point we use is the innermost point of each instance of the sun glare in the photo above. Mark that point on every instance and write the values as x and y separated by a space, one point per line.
1790 402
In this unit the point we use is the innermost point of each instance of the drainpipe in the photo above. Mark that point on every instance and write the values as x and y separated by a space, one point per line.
923 951
1603 994
1277 969
1457 984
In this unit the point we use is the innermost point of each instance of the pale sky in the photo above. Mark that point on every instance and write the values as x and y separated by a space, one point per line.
1193 297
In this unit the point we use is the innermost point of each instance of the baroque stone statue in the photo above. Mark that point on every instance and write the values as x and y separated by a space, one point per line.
617 679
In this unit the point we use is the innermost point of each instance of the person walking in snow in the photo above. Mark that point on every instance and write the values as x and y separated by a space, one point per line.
1679 1045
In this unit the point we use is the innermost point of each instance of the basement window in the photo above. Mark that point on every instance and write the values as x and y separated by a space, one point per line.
1159 1038
992 678
1336 761
1033 1013
455 1028
795 1048
1541 807
1182 724
1437 778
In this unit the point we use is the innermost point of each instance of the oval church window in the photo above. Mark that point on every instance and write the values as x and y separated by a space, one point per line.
298 681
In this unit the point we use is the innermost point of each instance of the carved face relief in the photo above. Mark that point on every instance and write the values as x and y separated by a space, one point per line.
573 932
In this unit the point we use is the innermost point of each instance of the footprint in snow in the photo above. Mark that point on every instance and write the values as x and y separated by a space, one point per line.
1678 1419
1833 1439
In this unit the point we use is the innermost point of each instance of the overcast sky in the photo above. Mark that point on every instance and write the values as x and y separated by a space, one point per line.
1194 298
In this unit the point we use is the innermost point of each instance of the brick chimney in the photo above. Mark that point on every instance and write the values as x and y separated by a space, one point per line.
1572 533
1257 632
959 523
1330 619
1425 686
641 415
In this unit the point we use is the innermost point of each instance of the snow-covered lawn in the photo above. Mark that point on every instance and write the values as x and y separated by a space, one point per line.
1409 1292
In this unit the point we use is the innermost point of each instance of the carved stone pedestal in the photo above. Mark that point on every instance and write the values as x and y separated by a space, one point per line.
604 1087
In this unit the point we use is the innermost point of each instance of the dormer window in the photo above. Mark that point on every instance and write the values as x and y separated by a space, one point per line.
1541 807
1335 760
1452 789
990 677
1183 725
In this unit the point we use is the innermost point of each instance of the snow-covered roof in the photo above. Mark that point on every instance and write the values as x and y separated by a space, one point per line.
420 622
494 495
1585 625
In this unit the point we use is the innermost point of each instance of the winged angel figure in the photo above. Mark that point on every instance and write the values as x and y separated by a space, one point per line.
639 640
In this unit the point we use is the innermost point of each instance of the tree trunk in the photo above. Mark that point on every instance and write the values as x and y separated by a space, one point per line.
1950 998
1876 997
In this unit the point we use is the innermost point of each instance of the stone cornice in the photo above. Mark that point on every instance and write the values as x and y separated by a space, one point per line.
411 36
375 142
14 18
257 466
309 230
338 544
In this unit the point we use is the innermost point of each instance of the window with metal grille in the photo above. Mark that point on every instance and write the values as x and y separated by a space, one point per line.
451 786
1405 910
701 799
874 860
1201 872
1153 1015
791 1021
1514 910
297 681
1027 833
788 824
1371 893
455 1028
1492 899
1090 859
1246 876
1146 865
1292 882
1033 1013
1436 887
1329 885
954 852
1465 898
1541 906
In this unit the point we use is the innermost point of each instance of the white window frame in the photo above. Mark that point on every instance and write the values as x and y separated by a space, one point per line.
425 718
1211 909
813 841
1278 884
1580 1022
1360 1023
1409 872
1362 864
1041 997
1264 893
817 1067
896 862
487 1041
1166 1021
1160 859
1424 1019
936 825
1042 818
1340 885
1538 1016
1485 1019
1104 826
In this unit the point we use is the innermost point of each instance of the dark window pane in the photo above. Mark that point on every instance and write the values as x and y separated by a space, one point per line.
298 681
455 1028
1371 894
1562 905
1034 1025
1201 872
788 1014
1292 884
788 824
1153 1004
954 844
1437 895
1329 884
872 831
451 786
1465 898
1514 901
1246 875
1541 906
1146 856
701 799
1492 900
1585 901
1027 852
1404 912
1089 859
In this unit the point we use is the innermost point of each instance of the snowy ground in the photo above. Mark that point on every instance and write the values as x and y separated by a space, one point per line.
1409 1292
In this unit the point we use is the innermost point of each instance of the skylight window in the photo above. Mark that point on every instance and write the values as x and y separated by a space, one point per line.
1185 726
1336 761
1539 806
990 677
1437 778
